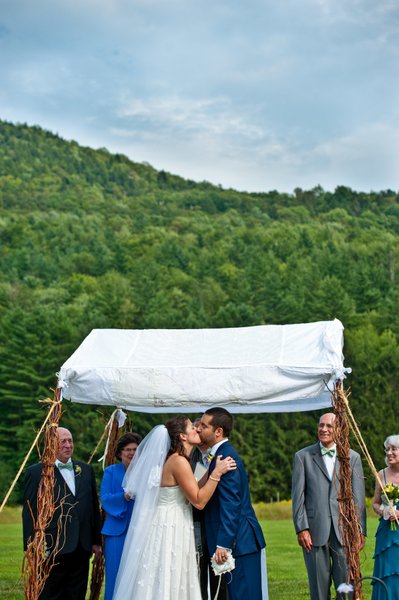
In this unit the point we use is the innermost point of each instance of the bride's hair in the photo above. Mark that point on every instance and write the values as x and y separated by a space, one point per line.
175 427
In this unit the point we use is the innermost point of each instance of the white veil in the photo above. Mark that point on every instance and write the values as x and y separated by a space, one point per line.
142 480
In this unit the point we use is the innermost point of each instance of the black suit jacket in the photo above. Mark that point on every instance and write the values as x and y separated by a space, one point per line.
80 514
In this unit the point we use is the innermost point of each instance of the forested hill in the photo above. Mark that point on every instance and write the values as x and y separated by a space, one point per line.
94 240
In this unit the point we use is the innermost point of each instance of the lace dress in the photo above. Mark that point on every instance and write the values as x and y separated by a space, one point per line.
386 560
168 566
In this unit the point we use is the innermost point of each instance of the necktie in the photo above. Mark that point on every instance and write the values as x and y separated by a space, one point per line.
327 451
68 466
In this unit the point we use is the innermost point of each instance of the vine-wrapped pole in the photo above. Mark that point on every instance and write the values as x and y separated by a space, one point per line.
111 428
348 517
38 562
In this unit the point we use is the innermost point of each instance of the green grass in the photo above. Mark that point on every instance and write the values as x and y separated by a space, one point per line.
286 570
285 566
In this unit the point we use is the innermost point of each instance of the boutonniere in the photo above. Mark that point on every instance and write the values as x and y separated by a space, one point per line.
78 470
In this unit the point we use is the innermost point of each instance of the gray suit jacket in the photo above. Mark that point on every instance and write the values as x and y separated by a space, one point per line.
315 496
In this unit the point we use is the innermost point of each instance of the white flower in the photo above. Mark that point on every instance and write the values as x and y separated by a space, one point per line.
345 588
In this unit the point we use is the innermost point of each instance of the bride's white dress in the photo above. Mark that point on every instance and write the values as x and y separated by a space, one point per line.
168 566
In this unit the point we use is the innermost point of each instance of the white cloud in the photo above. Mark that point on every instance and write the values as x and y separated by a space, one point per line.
252 94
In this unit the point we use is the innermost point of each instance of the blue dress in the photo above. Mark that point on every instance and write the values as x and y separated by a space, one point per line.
118 514
386 561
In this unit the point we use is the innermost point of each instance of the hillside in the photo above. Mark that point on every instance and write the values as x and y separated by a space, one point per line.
90 239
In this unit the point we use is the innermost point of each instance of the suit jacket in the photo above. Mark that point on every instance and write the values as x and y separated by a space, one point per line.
80 514
118 510
315 496
229 516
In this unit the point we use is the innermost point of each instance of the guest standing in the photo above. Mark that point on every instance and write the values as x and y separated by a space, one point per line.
78 520
315 490
386 556
118 508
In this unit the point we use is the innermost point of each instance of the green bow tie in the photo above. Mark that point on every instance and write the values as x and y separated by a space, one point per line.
68 466
327 451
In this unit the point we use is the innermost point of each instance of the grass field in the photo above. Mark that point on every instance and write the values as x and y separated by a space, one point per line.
286 570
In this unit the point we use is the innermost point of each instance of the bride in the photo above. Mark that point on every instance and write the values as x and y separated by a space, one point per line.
159 560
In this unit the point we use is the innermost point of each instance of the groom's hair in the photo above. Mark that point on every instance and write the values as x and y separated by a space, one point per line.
221 418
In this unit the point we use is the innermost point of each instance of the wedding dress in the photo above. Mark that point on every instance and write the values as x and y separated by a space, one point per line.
159 559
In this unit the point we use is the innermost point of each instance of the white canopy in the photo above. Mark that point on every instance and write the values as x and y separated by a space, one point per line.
268 368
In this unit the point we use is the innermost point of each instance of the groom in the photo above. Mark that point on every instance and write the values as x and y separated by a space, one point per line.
230 520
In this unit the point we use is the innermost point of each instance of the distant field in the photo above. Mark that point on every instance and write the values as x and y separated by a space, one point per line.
286 570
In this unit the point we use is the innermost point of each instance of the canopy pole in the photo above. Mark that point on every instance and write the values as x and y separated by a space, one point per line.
50 412
348 519
116 420
37 564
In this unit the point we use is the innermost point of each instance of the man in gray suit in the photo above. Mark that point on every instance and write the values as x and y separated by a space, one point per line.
315 510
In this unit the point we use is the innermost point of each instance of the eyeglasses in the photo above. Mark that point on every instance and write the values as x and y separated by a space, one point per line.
391 449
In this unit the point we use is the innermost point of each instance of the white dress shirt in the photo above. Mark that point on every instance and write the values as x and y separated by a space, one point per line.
215 448
69 476
329 461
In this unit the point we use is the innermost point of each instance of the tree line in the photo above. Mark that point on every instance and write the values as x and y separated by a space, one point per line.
90 239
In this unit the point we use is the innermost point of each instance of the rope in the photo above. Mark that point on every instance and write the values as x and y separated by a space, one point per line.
362 445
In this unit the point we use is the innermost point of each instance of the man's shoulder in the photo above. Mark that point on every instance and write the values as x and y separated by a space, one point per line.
227 449
353 454
36 468
83 465
312 449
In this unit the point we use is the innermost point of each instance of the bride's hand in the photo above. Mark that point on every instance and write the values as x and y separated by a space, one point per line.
223 466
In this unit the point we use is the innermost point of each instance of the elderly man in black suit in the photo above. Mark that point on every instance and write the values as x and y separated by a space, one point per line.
80 521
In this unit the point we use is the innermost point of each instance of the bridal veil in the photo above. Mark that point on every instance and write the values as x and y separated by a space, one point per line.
142 481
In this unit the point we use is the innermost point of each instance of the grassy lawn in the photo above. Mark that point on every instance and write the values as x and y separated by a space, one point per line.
286 569
285 566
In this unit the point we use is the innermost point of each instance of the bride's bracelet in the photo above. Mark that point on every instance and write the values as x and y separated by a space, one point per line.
214 478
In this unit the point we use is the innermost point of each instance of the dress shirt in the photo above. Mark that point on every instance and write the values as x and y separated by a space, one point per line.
329 461
215 448
69 476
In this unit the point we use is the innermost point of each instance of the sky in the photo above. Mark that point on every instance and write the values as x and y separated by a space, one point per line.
254 95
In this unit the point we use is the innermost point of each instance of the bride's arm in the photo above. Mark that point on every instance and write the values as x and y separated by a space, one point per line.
183 474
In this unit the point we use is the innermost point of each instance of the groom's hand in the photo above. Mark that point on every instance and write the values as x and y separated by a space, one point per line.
221 555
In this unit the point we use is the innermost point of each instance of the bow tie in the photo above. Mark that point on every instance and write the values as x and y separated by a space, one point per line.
68 466
327 451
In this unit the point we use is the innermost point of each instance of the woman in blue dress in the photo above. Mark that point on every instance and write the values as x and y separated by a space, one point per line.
386 555
118 509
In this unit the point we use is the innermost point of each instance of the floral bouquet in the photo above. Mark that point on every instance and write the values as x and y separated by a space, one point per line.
389 499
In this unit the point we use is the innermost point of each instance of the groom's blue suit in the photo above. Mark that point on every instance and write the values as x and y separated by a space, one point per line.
231 523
